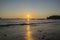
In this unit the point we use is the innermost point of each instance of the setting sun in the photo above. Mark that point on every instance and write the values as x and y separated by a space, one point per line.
28 17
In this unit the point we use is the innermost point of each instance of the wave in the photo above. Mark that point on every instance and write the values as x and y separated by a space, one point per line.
7 25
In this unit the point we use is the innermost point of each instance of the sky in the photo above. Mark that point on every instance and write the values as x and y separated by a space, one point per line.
34 8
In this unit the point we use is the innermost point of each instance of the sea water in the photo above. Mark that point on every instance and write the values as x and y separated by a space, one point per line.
37 30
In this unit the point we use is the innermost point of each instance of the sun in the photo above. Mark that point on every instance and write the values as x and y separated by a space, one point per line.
28 17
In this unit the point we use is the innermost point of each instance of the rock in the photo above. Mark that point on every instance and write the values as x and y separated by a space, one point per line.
43 37
40 30
5 35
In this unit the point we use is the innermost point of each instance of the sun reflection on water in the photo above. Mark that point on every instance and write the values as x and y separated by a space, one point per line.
28 30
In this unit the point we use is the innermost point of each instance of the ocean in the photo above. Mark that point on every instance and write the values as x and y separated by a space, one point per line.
17 29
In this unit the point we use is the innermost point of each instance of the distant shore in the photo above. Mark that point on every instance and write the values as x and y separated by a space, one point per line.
54 17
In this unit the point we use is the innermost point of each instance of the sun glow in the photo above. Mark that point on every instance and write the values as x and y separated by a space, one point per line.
28 17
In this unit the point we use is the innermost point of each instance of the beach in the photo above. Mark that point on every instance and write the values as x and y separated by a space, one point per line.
38 30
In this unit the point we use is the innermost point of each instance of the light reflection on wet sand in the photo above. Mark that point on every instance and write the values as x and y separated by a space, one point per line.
28 33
